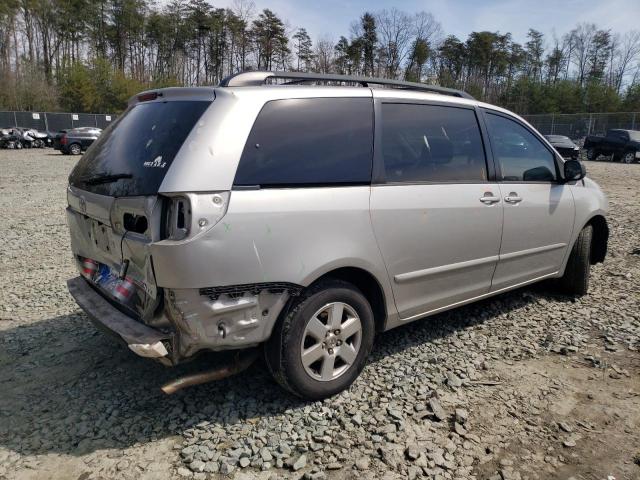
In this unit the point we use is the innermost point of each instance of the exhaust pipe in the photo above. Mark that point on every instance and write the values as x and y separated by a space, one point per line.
242 361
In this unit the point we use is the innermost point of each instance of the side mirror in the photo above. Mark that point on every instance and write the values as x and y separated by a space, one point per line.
574 170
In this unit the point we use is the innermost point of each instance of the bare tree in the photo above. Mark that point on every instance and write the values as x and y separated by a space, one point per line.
324 53
624 56
427 28
395 34
581 38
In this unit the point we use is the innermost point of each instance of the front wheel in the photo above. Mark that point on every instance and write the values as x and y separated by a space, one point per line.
629 157
575 280
321 344
592 154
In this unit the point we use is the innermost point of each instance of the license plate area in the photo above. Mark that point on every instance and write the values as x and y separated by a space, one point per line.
121 289
102 237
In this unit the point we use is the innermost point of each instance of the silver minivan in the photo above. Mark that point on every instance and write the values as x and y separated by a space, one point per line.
303 213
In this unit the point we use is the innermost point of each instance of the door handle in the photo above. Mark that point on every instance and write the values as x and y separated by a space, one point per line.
513 198
489 198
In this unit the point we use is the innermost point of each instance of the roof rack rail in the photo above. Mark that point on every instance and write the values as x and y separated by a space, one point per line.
257 78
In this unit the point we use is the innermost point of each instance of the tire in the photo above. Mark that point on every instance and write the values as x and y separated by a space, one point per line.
18 145
575 280
628 157
592 154
75 149
294 333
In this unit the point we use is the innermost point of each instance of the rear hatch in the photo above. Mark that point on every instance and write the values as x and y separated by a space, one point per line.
115 212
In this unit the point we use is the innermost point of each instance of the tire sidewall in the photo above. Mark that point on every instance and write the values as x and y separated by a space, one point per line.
74 149
630 156
303 384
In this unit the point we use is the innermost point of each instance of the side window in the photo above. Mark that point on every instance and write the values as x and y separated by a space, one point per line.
615 135
521 156
429 143
311 141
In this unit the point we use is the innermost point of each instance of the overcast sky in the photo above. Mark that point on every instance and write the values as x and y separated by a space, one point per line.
332 18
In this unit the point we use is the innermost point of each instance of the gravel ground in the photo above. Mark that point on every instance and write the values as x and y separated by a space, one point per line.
526 385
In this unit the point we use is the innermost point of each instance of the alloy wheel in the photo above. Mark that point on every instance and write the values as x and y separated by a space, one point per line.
331 341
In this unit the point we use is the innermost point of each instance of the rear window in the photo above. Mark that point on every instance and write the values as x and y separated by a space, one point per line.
313 141
132 156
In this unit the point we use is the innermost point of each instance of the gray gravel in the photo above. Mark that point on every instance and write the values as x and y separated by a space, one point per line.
500 389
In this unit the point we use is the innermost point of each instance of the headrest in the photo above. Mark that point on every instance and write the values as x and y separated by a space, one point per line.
441 150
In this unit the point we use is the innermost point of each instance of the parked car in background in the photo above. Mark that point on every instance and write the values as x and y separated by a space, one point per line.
32 138
622 145
256 215
10 138
564 146
20 137
76 140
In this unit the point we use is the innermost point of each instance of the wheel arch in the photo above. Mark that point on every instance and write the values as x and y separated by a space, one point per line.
600 238
368 284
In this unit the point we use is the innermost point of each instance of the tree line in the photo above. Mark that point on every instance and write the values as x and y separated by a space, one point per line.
92 55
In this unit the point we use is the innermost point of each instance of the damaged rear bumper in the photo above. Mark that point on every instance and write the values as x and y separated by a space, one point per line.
143 340
223 318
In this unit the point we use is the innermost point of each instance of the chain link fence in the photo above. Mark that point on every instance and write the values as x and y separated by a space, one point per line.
573 125
54 121
578 125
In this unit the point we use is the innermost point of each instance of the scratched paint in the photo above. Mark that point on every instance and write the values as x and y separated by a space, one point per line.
255 249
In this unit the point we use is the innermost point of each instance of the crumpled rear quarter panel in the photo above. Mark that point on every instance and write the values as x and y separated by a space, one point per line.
276 235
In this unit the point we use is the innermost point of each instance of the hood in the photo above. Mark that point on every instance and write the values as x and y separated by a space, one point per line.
562 143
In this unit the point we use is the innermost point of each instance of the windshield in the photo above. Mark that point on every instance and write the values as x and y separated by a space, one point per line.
132 156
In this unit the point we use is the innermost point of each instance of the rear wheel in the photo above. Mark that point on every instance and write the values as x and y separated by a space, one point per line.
74 149
629 157
575 280
592 154
321 344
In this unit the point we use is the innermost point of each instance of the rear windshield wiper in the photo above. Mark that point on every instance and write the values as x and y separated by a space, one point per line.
105 178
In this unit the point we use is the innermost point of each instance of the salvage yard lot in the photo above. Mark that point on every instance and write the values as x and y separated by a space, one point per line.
525 385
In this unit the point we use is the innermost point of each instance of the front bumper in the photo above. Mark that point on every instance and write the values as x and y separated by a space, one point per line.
143 340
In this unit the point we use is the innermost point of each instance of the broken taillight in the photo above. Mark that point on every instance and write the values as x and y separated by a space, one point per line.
190 214
178 219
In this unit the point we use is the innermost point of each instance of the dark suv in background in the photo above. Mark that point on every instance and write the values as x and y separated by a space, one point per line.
76 140
622 145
